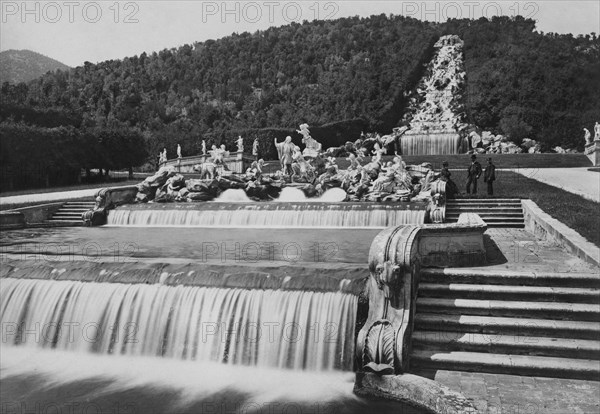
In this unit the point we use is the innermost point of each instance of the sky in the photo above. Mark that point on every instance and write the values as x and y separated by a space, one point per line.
75 31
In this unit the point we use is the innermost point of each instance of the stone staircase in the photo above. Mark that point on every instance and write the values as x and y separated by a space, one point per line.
496 212
70 213
504 322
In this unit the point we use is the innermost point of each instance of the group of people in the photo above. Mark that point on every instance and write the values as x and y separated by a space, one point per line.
474 172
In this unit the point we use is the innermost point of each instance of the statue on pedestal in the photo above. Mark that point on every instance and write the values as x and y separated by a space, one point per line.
203 147
164 154
588 136
178 151
255 148
597 132
285 151
240 144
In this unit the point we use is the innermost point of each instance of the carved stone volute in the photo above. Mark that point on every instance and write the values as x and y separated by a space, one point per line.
395 260
390 288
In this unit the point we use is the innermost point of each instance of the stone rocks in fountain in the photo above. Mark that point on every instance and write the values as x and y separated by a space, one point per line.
147 189
476 139
559 150
170 190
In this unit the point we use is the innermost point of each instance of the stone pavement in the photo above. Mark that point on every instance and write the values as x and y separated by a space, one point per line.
517 250
579 181
512 394
49 197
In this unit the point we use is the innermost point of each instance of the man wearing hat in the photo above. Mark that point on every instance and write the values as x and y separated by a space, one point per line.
489 176
473 174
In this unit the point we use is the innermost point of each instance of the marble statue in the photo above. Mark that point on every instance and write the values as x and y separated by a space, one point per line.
255 148
312 146
354 162
214 153
597 132
178 151
203 147
302 169
165 155
285 152
588 136
378 153
240 144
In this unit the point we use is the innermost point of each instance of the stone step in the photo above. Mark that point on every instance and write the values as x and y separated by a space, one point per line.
507 326
506 225
491 209
508 277
61 222
72 209
482 206
444 341
502 219
482 202
500 224
79 204
486 200
505 308
66 217
507 292
507 364
489 214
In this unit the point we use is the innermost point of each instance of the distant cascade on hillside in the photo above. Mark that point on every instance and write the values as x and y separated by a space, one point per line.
436 115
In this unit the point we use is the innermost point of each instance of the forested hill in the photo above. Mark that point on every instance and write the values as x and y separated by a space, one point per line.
522 83
519 82
24 65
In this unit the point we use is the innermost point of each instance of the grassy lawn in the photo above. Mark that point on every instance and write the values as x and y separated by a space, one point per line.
574 211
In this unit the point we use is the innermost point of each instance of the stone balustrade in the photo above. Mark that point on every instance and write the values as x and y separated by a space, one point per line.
236 162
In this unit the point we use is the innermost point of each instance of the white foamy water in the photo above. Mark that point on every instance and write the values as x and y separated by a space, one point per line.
277 215
270 328
194 381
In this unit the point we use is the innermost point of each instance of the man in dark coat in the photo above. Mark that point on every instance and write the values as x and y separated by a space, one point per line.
489 176
473 174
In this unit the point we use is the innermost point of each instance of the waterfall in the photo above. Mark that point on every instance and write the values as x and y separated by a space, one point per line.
434 143
269 215
270 328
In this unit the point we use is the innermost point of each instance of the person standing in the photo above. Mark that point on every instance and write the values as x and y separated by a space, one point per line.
489 176
473 174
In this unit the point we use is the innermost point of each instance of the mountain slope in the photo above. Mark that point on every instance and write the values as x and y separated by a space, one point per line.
24 65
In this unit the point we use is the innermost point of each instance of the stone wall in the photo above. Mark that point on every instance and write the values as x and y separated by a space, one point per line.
547 228
593 152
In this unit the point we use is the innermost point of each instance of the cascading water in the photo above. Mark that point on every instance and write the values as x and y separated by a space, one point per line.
269 328
269 215
441 144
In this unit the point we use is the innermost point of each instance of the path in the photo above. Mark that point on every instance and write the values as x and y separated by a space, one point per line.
578 181
49 197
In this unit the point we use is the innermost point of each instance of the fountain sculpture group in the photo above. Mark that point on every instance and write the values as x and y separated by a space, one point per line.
308 170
